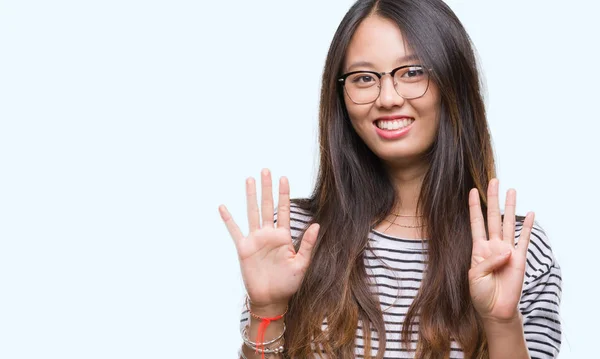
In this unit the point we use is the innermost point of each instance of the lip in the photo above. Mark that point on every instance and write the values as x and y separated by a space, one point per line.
392 135
391 118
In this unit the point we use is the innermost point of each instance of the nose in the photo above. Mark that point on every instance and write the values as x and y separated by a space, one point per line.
388 97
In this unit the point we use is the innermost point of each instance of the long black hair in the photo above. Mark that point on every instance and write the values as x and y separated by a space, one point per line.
353 192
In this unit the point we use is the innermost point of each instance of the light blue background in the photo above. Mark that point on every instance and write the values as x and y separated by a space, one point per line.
124 124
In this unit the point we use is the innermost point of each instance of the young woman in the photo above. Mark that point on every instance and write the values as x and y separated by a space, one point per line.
401 251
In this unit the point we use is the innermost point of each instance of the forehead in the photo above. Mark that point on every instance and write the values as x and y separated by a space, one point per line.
378 41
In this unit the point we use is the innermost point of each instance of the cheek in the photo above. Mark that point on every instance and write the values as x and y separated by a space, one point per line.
357 113
429 108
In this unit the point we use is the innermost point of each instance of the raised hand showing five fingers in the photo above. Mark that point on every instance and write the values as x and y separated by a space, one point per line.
271 268
497 265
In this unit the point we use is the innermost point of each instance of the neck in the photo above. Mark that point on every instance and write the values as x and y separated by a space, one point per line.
407 181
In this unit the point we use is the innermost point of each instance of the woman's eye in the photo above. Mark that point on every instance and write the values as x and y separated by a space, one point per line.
413 72
363 79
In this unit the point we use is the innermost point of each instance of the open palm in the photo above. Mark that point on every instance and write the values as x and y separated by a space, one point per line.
271 268
497 265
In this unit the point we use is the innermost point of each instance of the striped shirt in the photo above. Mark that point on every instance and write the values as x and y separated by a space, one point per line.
395 268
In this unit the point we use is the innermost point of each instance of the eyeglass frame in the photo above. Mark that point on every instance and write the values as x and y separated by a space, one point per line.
342 80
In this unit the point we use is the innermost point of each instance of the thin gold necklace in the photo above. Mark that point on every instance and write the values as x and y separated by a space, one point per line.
403 225
404 215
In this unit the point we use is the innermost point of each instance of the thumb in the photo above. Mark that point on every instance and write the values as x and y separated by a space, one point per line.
308 242
490 264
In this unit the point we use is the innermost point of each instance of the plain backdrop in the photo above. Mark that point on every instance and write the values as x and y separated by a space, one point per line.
125 124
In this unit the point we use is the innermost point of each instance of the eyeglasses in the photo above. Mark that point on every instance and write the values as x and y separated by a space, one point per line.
410 82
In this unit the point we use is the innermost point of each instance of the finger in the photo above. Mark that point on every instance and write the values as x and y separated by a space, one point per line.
508 226
493 211
489 265
308 242
267 198
526 233
252 205
283 205
234 230
477 222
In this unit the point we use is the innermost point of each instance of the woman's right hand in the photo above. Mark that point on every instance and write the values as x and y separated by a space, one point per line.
271 268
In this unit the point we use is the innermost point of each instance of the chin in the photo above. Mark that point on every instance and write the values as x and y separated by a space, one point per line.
403 156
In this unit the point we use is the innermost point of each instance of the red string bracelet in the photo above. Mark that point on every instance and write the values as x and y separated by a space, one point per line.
262 328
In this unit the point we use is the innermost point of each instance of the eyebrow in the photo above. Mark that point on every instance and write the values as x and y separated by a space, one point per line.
368 64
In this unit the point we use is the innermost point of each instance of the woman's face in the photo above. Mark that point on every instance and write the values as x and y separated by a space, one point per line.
379 42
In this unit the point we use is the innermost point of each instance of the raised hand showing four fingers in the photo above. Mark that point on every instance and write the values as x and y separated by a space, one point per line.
271 268
497 265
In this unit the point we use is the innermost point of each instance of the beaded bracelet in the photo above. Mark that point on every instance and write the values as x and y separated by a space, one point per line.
276 350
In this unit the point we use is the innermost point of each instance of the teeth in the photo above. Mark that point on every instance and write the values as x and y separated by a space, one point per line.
394 125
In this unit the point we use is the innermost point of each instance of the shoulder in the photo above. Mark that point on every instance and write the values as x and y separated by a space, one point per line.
540 257
541 295
543 277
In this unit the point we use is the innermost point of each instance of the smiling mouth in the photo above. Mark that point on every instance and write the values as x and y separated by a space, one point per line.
394 125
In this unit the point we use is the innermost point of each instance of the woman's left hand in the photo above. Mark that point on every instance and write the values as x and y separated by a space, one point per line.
497 266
